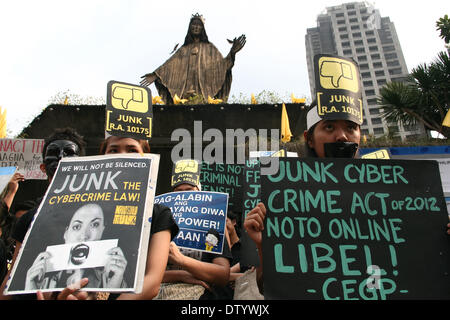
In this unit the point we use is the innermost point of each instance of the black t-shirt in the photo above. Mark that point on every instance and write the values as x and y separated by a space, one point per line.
162 219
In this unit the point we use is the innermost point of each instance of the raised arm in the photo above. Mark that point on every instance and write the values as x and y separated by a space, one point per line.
12 187
254 225
217 272
157 256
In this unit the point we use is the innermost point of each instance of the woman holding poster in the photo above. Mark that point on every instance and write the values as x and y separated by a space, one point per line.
324 138
163 230
163 227
333 126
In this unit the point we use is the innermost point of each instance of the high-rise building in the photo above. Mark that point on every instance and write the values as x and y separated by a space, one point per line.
357 30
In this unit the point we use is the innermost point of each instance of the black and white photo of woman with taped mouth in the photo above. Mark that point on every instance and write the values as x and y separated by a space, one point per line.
80 257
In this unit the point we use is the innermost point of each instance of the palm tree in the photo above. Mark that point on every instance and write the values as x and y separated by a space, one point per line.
443 26
423 97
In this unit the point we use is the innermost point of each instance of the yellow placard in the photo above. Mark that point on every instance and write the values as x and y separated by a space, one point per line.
186 166
129 98
379 154
336 73
281 153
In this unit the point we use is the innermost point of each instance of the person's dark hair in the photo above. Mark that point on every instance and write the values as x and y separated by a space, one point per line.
189 37
5 217
7 224
66 218
237 217
65 134
231 215
143 143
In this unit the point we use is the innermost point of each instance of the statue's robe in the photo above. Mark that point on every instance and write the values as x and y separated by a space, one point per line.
195 68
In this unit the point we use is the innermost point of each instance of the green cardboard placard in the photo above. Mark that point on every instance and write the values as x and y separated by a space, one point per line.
355 229
224 177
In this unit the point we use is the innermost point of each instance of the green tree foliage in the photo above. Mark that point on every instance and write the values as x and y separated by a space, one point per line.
75 99
443 26
264 97
423 98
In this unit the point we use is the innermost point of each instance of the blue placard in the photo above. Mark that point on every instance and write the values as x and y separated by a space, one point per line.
201 217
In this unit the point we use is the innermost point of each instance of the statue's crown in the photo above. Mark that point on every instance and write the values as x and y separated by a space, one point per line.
198 16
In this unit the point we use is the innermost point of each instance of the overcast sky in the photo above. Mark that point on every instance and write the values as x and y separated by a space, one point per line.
53 46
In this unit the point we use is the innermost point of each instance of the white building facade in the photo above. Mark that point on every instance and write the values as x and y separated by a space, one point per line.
357 30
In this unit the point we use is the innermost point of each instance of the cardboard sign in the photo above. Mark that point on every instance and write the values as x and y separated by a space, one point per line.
280 153
355 229
251 196
223 177
92 198
338 88
25 154
201 217
128 110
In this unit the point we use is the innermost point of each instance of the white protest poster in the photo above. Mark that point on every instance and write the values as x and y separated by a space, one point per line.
201 217
280 153
25 154
94 221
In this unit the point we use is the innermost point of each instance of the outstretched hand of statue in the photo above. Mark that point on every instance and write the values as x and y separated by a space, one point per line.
238 44
148 79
